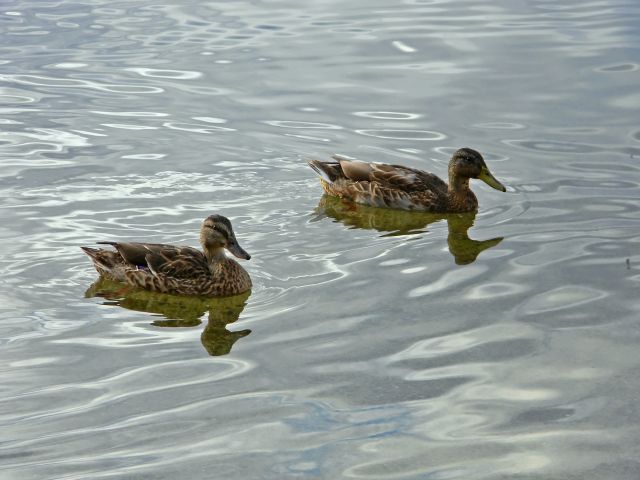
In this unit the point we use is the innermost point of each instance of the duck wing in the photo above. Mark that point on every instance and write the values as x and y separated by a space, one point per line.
393 177
182 262
134 253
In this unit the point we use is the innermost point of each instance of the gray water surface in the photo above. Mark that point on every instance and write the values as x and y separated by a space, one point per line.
373 345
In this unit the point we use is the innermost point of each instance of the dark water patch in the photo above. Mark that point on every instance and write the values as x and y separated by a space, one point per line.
269 27
541 416
633 152
623 67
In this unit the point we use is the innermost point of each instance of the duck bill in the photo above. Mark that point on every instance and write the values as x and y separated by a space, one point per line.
237 250
486 177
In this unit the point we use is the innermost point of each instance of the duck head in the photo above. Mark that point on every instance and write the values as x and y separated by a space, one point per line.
216 233
468 163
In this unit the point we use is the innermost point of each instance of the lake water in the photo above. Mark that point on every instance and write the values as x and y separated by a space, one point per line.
374 345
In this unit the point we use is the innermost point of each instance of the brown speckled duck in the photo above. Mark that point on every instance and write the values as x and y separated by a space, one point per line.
175 269
405 188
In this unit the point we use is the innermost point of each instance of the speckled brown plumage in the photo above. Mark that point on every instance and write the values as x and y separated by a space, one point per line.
405 188
226 278
175 269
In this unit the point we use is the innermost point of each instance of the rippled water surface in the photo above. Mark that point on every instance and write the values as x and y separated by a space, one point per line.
374 345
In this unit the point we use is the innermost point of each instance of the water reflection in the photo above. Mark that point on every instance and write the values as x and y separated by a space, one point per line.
399 222
180 311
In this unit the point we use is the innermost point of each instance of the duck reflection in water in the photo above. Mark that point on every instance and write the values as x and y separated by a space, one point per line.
180 311
399 222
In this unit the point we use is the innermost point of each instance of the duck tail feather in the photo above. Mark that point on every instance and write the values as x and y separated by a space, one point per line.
342 158
92 252
327 171
102 259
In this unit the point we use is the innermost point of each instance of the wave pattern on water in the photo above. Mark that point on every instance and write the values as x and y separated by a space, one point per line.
380 346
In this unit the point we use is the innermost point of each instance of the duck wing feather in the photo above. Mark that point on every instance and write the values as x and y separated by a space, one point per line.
135 253
181 263
392 177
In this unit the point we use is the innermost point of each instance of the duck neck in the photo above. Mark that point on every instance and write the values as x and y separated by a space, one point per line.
461 198
215 256
458 185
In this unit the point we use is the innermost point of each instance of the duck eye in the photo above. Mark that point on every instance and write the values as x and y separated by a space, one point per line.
220 229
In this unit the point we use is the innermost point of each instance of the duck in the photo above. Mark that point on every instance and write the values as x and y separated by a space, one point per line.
405 188
175 269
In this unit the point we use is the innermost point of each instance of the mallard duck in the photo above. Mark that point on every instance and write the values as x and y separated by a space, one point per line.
405 188
176 269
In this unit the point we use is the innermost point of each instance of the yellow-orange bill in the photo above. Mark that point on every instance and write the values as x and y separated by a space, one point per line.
486 177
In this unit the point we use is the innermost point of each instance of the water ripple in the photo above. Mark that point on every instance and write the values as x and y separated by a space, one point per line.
389 115
132 114
196 128
396 134
449 280
172 74
43 81
305 125
136 120
554 146
566 297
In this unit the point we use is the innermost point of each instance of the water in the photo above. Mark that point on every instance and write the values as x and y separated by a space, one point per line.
495 346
